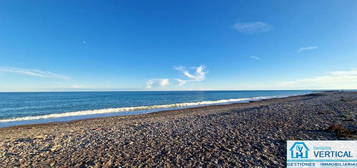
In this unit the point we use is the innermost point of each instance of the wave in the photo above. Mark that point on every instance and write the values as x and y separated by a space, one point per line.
138 108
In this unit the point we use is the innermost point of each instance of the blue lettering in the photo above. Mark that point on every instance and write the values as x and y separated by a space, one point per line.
348 154
339 154
323 154
316 154
327 154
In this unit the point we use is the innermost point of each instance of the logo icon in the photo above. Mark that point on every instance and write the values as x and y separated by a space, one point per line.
299 150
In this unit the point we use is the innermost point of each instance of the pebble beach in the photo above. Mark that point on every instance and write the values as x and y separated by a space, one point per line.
236 135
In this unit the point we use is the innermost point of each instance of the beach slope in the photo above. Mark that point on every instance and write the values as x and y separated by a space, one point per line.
246 134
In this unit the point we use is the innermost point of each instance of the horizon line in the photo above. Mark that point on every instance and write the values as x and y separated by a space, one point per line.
180 90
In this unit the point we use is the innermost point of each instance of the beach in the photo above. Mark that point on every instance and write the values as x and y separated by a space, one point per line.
233 135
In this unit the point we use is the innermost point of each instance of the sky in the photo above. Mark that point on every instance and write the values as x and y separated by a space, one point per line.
177 45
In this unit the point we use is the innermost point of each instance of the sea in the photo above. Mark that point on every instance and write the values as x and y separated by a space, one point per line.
19 108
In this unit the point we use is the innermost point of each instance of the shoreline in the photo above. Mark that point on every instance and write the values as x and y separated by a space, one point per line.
134 112
234 135
153 111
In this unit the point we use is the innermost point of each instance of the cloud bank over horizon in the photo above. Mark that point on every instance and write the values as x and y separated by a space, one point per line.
157 83
333 80
198 74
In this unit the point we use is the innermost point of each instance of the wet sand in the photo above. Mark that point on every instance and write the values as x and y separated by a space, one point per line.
235 135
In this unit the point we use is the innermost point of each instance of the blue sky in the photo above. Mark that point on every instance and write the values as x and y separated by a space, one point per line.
177 45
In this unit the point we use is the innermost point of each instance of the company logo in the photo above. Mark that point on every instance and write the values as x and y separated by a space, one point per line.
303 154
299 150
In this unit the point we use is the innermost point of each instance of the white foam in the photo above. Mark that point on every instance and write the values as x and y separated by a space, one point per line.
139 108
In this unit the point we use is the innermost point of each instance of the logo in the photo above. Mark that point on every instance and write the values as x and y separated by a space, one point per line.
318 154
299 150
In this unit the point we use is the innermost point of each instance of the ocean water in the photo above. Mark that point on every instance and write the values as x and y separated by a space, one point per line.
43 107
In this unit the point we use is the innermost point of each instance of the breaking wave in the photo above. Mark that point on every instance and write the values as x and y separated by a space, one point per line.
138 108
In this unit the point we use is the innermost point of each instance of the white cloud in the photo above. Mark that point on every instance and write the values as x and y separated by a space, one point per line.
33 72
157 83
198 75
302 49
255 58
181 82
252 27
332 80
